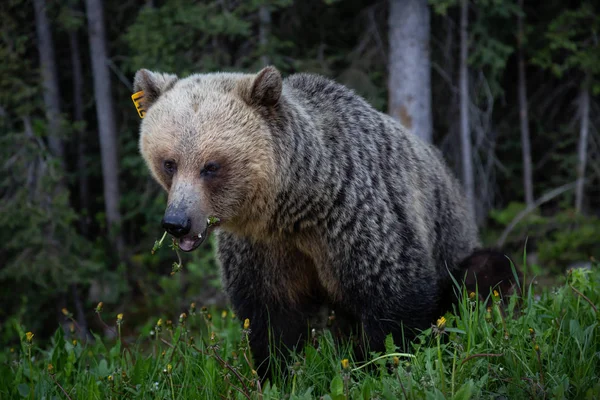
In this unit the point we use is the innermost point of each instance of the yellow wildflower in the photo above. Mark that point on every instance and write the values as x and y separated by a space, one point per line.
224 314
119 317
29 336
65 312
345 363
51 369
99 307
74 342
247 323
439 326
441 323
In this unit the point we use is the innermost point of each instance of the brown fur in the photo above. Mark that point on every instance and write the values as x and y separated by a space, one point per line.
489 270
324 202
166 137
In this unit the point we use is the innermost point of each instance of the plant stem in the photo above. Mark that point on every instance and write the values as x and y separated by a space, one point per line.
31 387
453 371
61 388
172 389
440 363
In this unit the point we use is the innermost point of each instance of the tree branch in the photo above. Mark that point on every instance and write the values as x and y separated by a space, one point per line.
543 199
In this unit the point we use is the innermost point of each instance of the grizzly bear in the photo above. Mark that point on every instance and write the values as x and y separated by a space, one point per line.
323 202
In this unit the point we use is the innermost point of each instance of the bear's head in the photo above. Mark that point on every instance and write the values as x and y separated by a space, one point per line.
206 139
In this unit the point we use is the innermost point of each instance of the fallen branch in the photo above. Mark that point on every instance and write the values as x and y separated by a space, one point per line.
59 385
543 199
583 296
225 364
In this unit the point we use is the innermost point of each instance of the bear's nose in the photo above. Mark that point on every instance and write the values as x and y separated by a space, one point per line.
177 226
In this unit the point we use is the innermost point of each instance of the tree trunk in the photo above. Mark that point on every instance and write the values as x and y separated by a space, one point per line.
49 78
264 17
35 168
84 195
465 131
523 115
584 115
106 119
410 66
80 314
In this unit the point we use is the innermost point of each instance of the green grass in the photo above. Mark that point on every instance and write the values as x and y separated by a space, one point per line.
546 347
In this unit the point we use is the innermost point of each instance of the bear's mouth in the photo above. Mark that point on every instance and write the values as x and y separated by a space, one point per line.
191 241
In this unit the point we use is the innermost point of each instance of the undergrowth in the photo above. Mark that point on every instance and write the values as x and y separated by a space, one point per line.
536 346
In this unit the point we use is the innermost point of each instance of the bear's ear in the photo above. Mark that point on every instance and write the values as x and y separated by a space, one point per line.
153 84
264 89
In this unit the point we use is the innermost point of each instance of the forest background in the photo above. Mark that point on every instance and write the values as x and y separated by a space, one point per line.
507 89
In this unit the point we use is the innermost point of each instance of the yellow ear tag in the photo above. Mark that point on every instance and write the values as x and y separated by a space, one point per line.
139 105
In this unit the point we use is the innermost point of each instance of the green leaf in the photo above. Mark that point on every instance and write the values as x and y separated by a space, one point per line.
115 351
465 392
337 387
367 389
390 347
23 389
435 395
102 368
387 391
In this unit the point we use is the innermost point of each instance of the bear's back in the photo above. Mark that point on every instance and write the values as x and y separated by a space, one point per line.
378 163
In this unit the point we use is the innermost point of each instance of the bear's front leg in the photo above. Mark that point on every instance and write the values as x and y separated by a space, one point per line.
387 291
271 287
382 309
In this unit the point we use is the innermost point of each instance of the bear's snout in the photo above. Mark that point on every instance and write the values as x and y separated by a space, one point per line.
177 223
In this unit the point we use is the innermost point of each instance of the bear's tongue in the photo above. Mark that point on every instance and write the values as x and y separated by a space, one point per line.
188 243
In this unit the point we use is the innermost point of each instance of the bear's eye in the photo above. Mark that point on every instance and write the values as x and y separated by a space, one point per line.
210 168
170 167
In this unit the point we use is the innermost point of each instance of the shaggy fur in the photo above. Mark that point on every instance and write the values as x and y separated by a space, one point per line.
324 201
